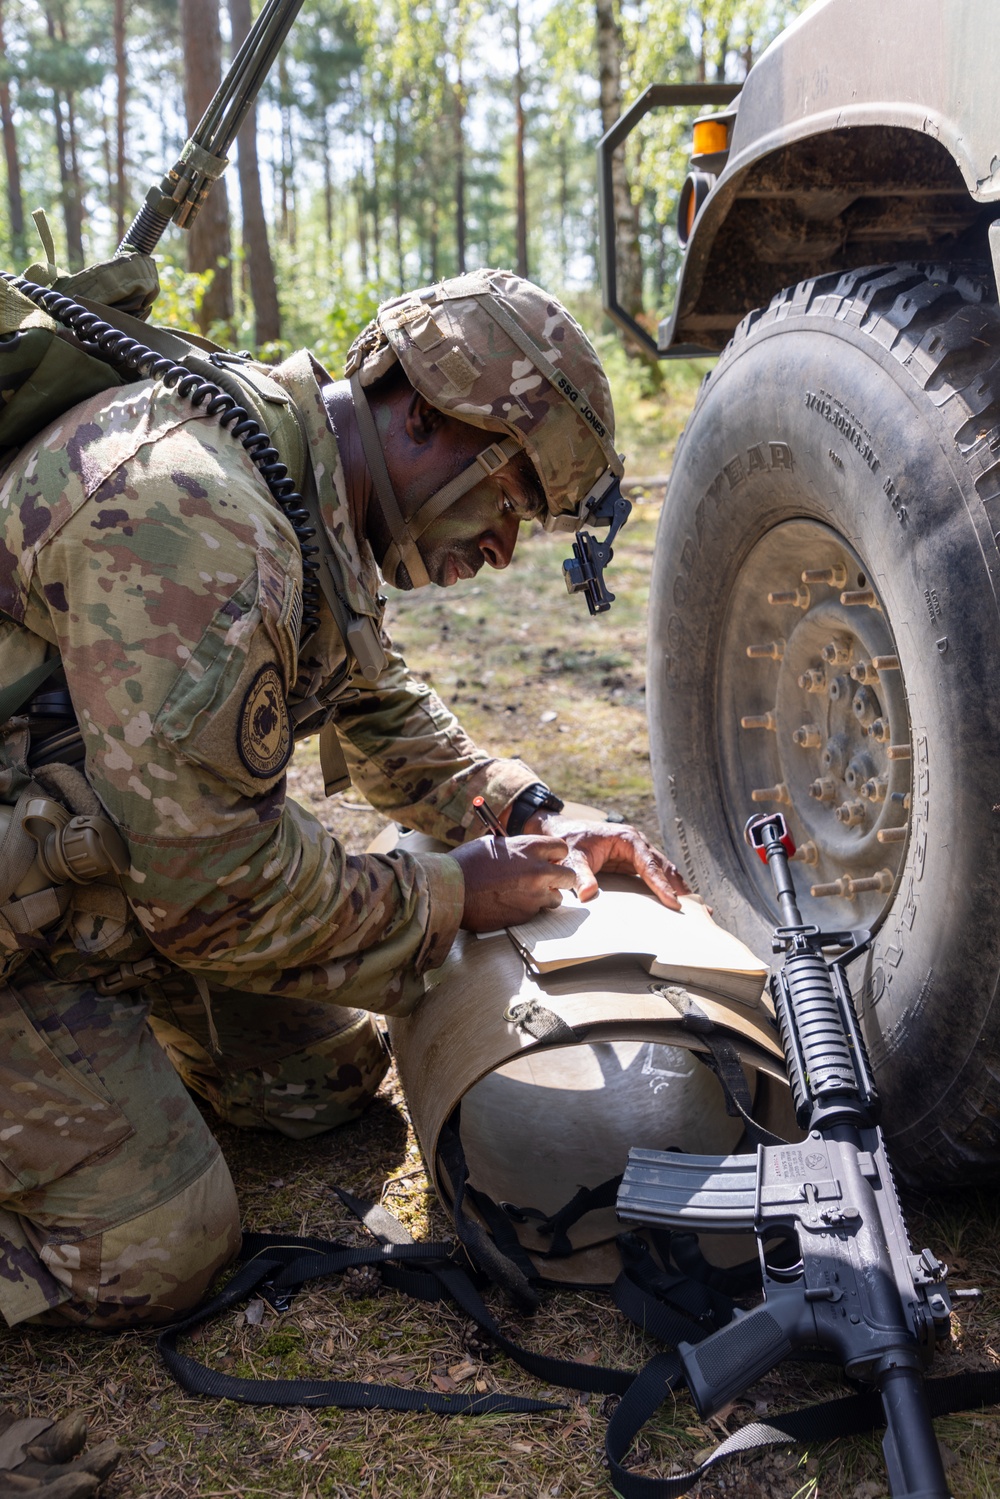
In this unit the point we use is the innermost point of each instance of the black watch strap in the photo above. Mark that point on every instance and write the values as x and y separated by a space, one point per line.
534 798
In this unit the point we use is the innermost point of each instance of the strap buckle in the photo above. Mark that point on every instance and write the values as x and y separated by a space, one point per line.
132 976
492 459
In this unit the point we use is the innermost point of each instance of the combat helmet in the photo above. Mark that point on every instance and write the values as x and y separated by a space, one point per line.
494 350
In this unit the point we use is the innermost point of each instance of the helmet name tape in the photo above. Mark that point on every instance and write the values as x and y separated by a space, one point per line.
580 404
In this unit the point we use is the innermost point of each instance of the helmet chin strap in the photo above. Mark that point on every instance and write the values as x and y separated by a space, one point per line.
403 547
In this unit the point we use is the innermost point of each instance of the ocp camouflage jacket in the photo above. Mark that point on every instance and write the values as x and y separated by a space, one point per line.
140 543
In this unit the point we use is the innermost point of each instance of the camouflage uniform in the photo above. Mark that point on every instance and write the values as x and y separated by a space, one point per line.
141 545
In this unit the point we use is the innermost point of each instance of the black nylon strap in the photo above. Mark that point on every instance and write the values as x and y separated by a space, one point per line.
851 1416
670 1307
484 1253
724 1061
286 1263
662 1303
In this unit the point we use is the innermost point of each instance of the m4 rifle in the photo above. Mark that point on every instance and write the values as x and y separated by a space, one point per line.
853 1289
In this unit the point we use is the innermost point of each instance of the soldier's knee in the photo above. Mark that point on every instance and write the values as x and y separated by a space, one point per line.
149 1269
327 1082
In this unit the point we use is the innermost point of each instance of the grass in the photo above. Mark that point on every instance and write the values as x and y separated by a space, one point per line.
508 652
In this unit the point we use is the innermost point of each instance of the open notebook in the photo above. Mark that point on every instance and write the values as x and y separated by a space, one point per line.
682 947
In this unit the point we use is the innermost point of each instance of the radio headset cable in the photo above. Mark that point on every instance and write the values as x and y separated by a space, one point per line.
133 358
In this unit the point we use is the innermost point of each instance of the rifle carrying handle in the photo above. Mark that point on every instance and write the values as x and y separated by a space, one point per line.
722 1367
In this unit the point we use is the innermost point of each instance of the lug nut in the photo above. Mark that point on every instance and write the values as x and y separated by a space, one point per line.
824 789
891 835
874 789
759 721
835 577
901 799
797 597
885 663
807 737
774 650
836 652
848 888
851 813
864 673
898 752
777 793
813 680
807 853
879 730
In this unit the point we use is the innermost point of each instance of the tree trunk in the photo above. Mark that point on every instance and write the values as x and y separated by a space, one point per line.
397 200
522 192
121 76
209 244
15 202
626 213
376 203
289 216
362 226
459 139
263 289
328 193
68 177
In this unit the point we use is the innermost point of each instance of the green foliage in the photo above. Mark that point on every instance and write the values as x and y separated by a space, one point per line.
350 310
381 117
181 295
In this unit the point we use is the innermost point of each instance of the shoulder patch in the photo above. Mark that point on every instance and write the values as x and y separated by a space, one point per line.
263 733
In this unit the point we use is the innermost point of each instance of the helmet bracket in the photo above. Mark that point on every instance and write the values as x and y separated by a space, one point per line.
584 571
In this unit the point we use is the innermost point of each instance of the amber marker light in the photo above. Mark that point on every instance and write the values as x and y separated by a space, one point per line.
710 136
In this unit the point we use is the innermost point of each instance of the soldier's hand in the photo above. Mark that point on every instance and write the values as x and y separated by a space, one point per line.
46 1458
614 847
508 880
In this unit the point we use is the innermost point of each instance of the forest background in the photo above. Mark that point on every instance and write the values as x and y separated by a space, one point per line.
396 142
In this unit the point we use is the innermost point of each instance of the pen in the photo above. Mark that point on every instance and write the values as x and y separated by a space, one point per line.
485 812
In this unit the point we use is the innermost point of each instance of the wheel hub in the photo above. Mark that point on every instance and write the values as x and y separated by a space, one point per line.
813 720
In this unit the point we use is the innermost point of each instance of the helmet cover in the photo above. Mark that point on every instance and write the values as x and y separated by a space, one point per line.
476 347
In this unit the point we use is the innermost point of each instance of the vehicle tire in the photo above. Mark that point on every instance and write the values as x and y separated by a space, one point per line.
851 431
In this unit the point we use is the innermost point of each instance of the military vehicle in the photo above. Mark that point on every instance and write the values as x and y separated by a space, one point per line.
824 629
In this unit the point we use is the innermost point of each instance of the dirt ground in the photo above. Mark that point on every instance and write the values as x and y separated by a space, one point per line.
530 674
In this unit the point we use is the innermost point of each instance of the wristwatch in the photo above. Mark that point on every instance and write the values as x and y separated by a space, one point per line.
534 798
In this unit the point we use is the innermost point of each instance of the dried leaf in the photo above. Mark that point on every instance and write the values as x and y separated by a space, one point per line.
255 1311
444 1383
155 1448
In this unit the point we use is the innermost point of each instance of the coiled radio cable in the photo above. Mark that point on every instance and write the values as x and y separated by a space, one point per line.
131 357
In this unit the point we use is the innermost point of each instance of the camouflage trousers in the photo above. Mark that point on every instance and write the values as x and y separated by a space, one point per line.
116 1206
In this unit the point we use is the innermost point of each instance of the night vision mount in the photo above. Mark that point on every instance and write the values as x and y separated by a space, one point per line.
584 571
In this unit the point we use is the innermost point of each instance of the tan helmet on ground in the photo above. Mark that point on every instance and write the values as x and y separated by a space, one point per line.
493 350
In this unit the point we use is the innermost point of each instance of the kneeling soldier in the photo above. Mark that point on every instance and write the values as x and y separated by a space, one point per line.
167 915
